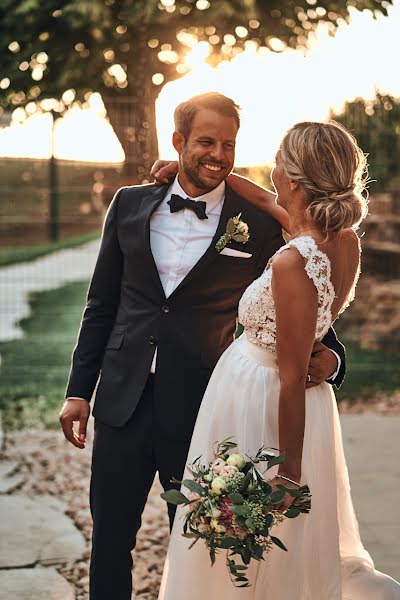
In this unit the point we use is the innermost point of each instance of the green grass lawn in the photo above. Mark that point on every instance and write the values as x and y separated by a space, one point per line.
34 370
11 256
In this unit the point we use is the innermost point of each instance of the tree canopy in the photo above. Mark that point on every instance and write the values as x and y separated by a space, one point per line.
129 48
376 125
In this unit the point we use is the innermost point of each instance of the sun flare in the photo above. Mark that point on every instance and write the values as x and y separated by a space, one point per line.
274 90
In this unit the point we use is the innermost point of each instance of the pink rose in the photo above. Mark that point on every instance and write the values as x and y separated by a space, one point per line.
217 465
193 495
228 471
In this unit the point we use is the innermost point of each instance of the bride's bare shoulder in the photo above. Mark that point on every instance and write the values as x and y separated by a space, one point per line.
349 242
350 237
287 260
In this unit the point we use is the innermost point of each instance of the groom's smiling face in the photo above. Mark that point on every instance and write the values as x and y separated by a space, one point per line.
207 154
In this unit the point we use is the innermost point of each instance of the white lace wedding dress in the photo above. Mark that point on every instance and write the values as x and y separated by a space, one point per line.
326 559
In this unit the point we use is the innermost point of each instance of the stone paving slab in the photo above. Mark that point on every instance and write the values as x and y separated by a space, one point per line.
10 479
7 468
372 448
36 530
34 584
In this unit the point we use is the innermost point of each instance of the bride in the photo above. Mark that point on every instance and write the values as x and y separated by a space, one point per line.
258 395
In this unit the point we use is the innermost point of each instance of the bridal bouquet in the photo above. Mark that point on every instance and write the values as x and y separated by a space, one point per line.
232 507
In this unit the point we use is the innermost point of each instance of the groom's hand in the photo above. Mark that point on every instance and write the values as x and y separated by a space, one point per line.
323 364
75 410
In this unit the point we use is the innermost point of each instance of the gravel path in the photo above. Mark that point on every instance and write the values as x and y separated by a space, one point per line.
52 466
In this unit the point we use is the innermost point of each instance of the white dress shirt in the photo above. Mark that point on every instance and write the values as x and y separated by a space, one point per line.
178 240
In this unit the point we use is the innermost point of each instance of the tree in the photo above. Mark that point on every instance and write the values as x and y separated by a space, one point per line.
376 125
67 49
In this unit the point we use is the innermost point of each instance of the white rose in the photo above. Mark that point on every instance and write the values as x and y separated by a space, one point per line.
218 485
236 460
216 526
215 512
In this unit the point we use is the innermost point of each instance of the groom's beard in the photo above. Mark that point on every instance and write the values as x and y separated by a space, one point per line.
196 175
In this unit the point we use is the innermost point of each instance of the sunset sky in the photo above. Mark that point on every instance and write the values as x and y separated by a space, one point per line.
274 91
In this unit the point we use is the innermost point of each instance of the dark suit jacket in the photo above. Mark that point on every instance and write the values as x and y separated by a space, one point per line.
127 314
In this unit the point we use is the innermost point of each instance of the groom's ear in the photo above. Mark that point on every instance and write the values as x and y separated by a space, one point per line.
178 141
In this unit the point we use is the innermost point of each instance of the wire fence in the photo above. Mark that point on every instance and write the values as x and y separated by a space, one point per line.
43 283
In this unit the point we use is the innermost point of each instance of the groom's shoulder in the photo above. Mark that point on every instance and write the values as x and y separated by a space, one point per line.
129 196
134 192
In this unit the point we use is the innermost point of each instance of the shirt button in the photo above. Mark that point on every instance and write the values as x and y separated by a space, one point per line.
152 340
165 308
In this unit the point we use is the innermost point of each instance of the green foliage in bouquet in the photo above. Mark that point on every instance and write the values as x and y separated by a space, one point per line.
232 507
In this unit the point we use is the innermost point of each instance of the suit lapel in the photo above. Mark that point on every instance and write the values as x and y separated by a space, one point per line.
149 204
233 205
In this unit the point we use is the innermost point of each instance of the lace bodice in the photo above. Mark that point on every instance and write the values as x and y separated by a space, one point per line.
257 309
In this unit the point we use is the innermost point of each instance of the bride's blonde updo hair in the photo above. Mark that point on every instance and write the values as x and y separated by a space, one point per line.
326 160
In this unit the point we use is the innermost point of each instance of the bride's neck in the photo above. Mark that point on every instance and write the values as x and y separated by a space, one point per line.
299 225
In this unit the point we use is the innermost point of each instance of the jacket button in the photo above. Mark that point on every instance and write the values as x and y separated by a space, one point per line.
165 308
152 340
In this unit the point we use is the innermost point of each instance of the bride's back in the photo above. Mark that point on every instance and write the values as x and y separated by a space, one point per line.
344 253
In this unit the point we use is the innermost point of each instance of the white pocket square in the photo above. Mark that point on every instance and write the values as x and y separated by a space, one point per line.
238 253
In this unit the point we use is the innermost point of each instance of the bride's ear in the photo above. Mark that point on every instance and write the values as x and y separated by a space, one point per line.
294 185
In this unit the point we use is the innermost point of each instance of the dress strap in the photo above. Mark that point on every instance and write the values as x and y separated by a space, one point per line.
318 268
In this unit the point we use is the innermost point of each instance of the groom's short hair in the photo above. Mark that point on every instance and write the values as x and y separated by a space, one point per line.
186 111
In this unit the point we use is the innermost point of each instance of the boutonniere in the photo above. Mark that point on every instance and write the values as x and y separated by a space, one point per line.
236 230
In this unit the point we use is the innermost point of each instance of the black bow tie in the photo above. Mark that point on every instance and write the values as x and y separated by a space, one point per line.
178 203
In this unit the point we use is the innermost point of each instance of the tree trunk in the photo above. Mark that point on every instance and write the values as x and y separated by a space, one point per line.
133 118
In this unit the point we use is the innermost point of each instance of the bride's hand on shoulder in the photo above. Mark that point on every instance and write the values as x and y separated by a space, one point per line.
264 199
164 170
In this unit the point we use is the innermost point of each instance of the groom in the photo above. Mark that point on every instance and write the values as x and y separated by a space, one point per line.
161 309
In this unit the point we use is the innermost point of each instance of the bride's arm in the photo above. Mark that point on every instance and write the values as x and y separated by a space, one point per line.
296 305
264 199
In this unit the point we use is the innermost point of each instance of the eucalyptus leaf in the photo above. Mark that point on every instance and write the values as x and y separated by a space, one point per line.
267 488
246 481
194 487
275 460
236 498
291 513
293 492
227 542
277 496
269 520
240 509
246 555
278 543
174 497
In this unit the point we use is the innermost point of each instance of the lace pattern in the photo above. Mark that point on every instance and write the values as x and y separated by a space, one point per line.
257 309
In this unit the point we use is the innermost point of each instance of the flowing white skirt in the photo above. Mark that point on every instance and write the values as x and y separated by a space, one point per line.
326 559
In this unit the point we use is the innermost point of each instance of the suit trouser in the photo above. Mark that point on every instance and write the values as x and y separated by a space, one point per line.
125 461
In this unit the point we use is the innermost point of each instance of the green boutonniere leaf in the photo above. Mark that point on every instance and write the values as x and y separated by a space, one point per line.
236 230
